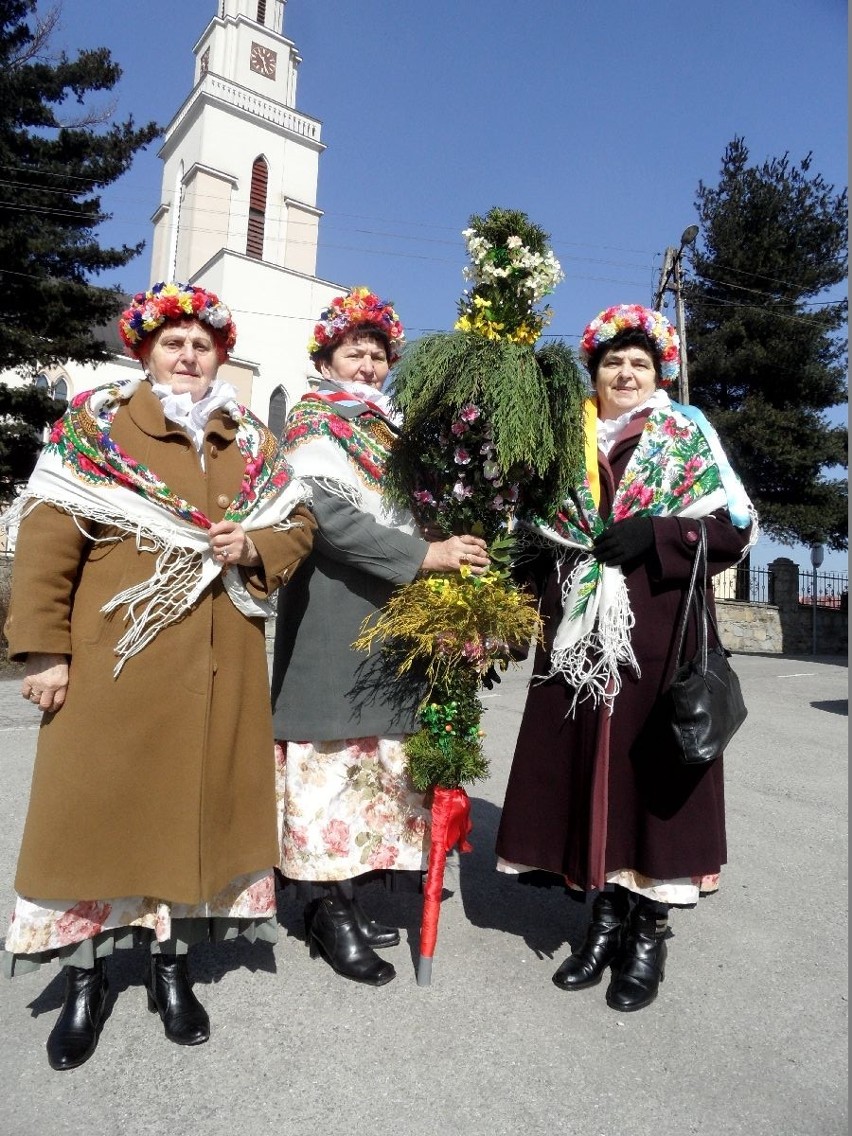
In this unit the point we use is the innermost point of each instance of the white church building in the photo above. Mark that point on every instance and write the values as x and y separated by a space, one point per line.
237 211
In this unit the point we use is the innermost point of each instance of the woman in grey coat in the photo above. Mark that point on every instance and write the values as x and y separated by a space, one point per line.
346 804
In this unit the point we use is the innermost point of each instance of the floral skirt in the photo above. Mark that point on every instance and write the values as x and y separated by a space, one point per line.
348 807
77 932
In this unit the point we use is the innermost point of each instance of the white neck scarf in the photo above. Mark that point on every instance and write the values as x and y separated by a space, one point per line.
194 416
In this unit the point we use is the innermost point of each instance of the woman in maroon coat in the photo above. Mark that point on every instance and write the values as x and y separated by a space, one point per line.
597 794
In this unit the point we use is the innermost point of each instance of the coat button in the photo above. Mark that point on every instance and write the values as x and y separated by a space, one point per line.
691 536
222 501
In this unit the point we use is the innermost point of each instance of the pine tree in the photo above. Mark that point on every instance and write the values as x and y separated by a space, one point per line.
50 172
24 413
766 357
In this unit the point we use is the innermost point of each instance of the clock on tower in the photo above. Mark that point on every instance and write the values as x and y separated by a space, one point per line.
263 60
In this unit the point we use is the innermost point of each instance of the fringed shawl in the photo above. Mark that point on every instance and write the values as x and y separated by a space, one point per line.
677 469
84 472
343 442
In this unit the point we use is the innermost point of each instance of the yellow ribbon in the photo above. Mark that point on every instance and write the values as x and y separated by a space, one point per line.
590 444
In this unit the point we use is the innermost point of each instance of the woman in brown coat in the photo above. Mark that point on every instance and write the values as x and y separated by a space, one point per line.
596 794
157 522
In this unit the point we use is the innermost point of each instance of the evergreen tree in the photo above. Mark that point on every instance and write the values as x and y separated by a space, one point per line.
24 413
766 357
50 173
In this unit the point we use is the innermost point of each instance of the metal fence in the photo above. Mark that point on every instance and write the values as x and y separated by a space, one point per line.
751 585
832 589
755 585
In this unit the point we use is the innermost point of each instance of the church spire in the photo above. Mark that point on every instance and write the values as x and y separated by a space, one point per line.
240 162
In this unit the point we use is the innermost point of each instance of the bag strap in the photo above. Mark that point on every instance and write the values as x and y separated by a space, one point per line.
698 596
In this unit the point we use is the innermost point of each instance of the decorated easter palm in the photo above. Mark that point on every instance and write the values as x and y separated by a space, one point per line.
490 423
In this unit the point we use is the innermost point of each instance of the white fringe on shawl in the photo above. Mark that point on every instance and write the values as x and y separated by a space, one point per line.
185 564
326 462
589 649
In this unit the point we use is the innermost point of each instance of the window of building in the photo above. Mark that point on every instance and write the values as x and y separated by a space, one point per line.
56 389
277 411
261 11
257 208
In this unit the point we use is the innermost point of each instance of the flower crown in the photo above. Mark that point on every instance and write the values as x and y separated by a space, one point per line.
361 310
165 302
625 317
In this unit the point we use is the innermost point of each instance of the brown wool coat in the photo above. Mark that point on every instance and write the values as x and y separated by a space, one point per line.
664 819
160 782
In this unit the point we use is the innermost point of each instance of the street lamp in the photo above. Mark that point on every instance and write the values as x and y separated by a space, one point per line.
817 554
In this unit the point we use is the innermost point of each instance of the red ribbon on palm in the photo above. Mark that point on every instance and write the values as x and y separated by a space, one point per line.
451 825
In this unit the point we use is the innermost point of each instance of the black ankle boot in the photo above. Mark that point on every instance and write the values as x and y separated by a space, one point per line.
586 965
74 1038
332 931
376 935
642 967
170 995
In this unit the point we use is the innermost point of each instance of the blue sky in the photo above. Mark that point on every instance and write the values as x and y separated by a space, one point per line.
597 120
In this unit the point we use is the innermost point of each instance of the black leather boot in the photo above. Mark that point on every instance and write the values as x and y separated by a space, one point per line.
642 967
74 1038
377 935
332 931
585 967
170 995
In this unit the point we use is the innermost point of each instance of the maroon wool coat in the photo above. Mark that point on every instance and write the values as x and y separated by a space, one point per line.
664 819
159 782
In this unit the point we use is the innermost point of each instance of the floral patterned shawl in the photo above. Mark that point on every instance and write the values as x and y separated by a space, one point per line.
677 469
343 442
84 472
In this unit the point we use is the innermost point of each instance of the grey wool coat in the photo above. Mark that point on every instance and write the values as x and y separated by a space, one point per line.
322 689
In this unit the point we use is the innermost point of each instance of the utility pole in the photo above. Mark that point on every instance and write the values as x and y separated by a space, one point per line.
671 280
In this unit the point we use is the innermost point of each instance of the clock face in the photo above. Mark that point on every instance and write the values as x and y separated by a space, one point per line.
263 60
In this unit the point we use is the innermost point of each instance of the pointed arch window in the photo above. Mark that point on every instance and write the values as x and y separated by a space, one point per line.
257 208
277 411
55 389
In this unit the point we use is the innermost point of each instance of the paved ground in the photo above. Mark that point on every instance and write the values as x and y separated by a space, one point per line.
747 1037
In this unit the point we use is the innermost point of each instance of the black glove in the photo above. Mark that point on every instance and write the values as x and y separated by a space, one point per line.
625 540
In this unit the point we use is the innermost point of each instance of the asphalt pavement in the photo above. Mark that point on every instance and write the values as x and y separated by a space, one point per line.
748 1035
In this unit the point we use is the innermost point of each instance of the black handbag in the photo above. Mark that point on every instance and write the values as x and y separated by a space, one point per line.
705 699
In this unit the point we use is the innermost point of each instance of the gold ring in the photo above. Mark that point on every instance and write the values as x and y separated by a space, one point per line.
463 560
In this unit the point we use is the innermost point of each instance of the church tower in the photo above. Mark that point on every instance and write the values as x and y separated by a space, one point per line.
238 209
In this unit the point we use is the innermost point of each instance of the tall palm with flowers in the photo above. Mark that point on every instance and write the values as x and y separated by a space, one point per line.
489 423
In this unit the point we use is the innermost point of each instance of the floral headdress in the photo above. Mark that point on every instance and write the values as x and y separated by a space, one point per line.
625 317
361 310
172 302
